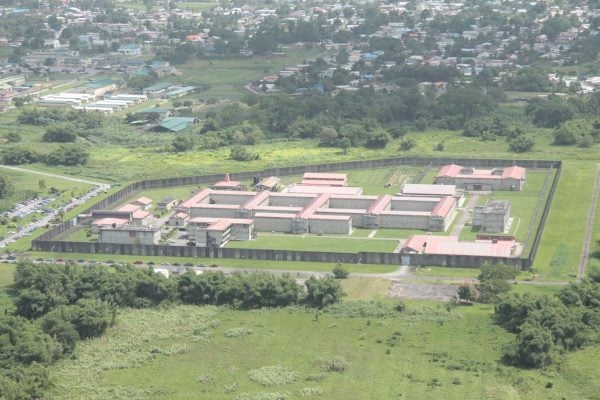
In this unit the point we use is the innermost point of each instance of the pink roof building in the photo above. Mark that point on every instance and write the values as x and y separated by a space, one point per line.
451 246
469 178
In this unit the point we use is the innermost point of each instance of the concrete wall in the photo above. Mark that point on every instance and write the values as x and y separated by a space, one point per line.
403 221
330 226
211 212
352 203
414 204
45 243
270 224
129 236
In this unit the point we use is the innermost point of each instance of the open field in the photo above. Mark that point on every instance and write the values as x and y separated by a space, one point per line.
365 288
423 353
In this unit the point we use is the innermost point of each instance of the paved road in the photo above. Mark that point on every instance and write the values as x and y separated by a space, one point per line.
65 177
464 217
585 250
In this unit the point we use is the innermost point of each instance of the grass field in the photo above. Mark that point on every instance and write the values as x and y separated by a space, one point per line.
365 288
424 353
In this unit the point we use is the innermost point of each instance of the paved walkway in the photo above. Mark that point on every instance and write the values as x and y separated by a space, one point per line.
585 250
464 217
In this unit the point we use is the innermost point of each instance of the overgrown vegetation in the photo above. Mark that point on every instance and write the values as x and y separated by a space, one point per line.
548 326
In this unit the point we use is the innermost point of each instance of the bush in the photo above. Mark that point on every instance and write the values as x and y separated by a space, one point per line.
521 143
339 272
275 375
237 332
335 364
407 143
240 153
59 134
311 391
440 146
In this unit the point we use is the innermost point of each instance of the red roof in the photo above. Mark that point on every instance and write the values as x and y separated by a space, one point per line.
140 214
443 207
325 176
197 198
129 208
313 206
110 221
380 204
450 170
144 200
322 182
514 173
449 245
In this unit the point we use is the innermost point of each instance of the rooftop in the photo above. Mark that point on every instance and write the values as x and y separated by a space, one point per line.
428 190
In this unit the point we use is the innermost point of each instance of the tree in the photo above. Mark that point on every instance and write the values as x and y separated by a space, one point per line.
59 134
407 143
13 137
467 292
68 155
182 143
241 153
42 184
322 292
521 143
377 139
339 272
6 187
493 281
533 348
571 132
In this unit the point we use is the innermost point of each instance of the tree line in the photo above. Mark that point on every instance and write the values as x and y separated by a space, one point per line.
59 305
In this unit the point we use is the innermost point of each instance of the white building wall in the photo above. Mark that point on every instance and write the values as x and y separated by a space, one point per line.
351 203
330 226
404 221
412 205
213 212
270 224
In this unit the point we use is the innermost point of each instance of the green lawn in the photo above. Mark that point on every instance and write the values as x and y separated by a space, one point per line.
346 244
424 354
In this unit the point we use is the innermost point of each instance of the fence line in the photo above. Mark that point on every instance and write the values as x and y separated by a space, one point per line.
47 241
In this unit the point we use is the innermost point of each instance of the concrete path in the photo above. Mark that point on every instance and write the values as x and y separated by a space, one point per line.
585 250
66 178
464 217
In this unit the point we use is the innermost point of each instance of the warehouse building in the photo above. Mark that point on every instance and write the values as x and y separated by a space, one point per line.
493 217
469 178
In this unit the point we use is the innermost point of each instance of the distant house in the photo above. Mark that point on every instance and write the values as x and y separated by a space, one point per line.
270 184
99 87
144 203
179 219
130 49
167 203
157 90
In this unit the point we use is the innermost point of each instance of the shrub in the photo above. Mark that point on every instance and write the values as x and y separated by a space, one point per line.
335 364
407 144
440 146
237 332
264 396
339 272
315 377
275 375
233 387
311 391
